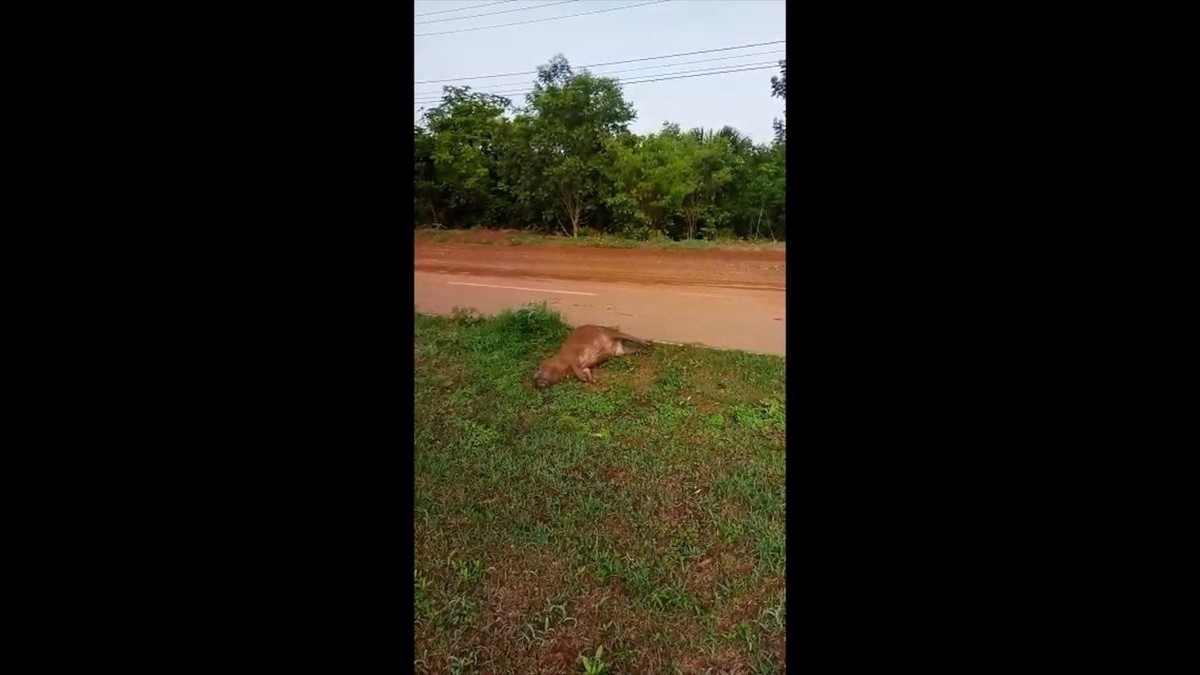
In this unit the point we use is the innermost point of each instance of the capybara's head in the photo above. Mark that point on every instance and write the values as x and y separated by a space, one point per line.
550 372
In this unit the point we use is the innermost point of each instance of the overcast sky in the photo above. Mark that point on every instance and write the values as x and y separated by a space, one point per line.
742 99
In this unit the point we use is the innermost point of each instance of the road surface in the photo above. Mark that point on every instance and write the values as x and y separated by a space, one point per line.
727 299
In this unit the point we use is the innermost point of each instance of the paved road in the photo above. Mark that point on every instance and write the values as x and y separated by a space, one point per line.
732 318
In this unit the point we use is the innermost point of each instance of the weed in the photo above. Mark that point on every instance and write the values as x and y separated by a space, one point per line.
774 617
423 601
671 598
771 549
468 572
594 665
761 664
461 665
744 633
607 567
764 414
639 579
729 530
462 611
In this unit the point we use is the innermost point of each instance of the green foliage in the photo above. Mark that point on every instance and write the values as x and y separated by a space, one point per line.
566 163
457 156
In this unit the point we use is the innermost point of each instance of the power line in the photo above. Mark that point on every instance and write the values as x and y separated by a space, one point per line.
684 77
505 85
710 70
666 77
609 63
702 51
553 18
503 11
463 9
514 86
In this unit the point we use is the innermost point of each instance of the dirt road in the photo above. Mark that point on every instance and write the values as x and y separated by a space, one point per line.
721 298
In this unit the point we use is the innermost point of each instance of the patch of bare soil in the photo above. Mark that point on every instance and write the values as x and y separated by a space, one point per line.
731 268
560 652
618 474
618 527
704 575
746 607
724 662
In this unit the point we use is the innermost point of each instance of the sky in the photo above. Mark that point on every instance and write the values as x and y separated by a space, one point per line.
741 99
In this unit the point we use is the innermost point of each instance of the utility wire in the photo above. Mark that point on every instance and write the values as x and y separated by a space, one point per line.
721 72
506 85
553 18
672 76
503 11
711 70
608 63
465 9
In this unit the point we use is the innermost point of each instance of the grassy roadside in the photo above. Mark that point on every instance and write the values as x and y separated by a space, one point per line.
520 238
637 521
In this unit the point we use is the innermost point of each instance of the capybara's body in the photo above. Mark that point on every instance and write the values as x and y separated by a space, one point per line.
586 347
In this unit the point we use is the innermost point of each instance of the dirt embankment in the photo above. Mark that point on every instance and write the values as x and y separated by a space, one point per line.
730 268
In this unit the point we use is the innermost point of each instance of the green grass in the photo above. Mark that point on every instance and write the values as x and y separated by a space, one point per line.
631 525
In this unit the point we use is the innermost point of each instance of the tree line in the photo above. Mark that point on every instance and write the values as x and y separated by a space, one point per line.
566 162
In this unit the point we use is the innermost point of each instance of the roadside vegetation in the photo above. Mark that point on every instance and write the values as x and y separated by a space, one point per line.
634 525
566 162
587 238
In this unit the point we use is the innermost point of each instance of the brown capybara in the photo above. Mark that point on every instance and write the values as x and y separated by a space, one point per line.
586 347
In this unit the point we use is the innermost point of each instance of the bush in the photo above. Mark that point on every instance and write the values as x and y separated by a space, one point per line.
532 326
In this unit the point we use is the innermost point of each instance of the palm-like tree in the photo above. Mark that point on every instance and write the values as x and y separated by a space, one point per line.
739 142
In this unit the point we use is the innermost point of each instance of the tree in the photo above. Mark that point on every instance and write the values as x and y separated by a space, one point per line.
734 209
739 144
766 192
779 90
651 179
712 167
461 141
574 118
517 183
425 185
